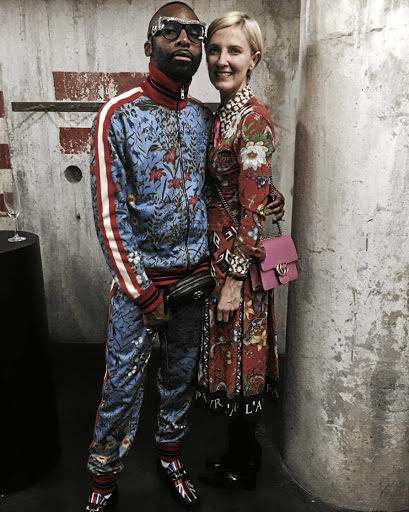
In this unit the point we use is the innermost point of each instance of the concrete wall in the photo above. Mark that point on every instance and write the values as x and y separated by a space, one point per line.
5 161
346 406
59 50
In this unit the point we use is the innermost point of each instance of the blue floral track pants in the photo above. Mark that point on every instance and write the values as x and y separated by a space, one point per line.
128 350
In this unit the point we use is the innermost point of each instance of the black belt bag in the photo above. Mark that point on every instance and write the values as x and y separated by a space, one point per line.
194 288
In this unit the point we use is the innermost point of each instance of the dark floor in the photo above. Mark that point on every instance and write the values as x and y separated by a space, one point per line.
78 376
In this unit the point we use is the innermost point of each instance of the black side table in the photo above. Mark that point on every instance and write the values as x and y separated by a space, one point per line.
28 425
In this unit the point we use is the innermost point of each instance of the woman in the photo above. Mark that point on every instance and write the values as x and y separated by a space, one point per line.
239 347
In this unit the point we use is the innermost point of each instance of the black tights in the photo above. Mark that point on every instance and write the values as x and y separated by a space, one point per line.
243 444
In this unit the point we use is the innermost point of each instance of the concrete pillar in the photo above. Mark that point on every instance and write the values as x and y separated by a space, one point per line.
346 400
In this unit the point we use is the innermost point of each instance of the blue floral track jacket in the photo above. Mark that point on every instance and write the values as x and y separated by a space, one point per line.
148 160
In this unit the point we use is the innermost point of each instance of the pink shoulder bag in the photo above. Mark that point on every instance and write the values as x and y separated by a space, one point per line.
279 266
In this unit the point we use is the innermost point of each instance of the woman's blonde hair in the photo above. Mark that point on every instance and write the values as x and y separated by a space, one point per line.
236 18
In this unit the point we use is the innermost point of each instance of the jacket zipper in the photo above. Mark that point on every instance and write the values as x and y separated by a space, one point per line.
182 97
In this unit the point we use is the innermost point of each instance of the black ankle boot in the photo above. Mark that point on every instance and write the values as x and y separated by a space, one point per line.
223 472
239 465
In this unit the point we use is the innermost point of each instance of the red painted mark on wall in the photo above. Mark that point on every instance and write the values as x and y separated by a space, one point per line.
4 156
74 141
4 148
89 86
2 207
93 86
1 104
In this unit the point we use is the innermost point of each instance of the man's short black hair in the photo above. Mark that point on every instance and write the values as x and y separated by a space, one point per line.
172 3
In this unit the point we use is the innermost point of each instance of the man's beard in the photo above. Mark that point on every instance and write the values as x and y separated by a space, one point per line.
180 71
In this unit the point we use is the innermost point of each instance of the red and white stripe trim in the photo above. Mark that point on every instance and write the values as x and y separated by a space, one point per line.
106 206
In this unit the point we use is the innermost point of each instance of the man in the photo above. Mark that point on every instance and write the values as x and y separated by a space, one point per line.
147 168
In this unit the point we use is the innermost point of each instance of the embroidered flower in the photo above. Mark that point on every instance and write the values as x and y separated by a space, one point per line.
258 327
138 341
170 207
253 155
233 128
134 258
193 200
162 226
125 442
187 176
248 311
224 160
259 340
261 181
176 183
156 174
170 156
254 234
131 200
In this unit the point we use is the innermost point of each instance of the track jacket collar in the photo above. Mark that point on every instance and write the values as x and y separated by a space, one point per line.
164 90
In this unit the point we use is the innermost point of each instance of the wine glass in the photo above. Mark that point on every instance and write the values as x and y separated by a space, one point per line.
11 200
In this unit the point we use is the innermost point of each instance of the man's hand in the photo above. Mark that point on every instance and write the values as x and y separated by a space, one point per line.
157 319
276 208
229 300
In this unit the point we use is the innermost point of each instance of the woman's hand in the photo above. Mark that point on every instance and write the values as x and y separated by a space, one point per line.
276 208
229 300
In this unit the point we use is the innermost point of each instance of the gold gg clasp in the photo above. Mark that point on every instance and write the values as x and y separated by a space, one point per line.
282 269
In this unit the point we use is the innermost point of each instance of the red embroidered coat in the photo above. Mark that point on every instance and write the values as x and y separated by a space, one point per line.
237 355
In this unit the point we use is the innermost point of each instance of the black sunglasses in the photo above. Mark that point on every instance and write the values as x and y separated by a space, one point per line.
170 29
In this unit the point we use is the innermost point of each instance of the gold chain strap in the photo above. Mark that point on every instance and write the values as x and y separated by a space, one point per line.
234 218
273 197
224 203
